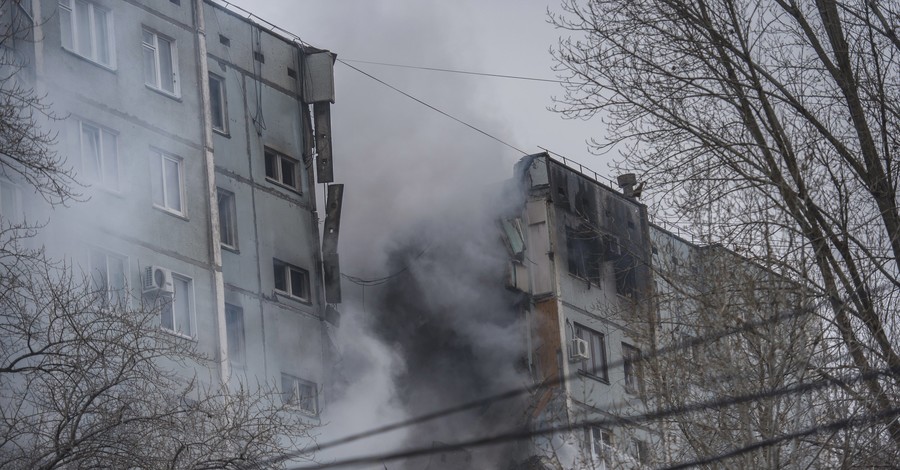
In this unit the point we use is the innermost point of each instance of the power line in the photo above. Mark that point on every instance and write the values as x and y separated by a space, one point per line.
464 72
832 426
521 434
381 280
523 390
392 87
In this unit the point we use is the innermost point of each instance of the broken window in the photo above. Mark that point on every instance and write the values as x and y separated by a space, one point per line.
625 267
585 252
512 235
631 365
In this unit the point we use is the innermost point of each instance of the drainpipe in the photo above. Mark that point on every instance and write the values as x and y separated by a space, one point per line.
211 199
37 28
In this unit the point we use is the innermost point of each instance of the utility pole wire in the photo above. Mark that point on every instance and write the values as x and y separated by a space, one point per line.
521 434
470 126
465 72
699 341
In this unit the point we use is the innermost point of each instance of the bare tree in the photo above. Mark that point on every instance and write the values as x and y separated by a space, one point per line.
87 377
725 327
769 126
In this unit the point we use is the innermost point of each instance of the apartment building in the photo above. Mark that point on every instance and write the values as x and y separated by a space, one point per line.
580 250
625 317
199 132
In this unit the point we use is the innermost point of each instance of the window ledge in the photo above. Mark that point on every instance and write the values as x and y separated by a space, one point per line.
223 133
282 294
177 334
108 68
284 186
171 96
588 375
230 248
172 212
96 185
586 280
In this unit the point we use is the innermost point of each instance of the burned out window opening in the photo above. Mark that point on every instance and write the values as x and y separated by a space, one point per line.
624 266
585 249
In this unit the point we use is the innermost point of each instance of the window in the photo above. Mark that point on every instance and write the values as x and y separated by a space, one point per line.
601 442
234 326
638 450
596 365
300 393
108 274
281 169
631 365
160 62
176 313
86 30
217 103
585 253
99 155
291 280
227 218
168 182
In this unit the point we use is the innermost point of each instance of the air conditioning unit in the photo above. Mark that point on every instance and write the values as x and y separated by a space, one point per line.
579 350
158 280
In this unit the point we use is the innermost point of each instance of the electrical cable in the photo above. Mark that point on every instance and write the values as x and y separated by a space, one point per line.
483 402
381 280
465 72
423 103
521 434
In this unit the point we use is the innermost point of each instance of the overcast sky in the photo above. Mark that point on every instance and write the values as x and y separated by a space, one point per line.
509 37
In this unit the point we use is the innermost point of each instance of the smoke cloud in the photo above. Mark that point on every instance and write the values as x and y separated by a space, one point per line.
422 198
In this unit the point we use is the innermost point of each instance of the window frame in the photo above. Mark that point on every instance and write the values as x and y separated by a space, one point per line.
68 6
223 104
103 157
288 280
173 52
632 370
603 447
236 334
278 177
296 398
159 157
106 254
583 367
169 302
585 253
227 224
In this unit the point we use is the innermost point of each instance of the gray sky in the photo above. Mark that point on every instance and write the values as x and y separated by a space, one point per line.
496 36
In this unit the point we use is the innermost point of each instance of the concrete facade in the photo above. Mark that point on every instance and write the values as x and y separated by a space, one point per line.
603 286
208 173
584 267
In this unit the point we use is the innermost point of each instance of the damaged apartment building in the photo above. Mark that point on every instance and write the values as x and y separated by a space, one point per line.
199 132
616 311
580 250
